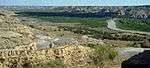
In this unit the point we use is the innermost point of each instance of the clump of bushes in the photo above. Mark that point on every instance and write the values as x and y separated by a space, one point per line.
106 51
103 53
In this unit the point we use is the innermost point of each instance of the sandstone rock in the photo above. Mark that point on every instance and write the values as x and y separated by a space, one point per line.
12 32
89 40
75 56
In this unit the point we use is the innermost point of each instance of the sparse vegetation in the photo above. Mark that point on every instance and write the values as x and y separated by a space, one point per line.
106 51
51 64
103 53
104 33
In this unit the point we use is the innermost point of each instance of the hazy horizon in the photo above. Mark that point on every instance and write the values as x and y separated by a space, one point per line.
74 2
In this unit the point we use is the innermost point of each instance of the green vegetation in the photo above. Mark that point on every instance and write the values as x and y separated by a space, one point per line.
103 53
106 51
94 22
51 64
104 33
60 18
134 24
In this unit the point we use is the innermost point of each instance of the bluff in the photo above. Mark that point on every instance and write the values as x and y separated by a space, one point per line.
97 11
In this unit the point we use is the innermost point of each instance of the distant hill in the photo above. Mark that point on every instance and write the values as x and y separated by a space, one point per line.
105 11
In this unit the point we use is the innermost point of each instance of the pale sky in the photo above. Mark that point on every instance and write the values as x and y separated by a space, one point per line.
74 2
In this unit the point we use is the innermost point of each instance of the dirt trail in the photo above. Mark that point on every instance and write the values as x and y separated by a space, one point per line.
112 25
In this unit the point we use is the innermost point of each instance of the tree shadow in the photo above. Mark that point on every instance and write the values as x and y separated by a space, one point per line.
141 60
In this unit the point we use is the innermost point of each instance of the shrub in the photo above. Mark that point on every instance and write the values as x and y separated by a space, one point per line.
51 64
112 55
106 52
102 53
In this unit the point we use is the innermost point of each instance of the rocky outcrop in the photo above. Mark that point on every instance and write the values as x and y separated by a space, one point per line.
60 41
13 33
77 56
134 12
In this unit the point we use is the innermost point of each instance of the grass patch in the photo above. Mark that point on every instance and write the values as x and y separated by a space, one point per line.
134 24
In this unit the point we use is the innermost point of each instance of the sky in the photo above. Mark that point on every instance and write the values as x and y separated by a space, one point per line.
74 2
